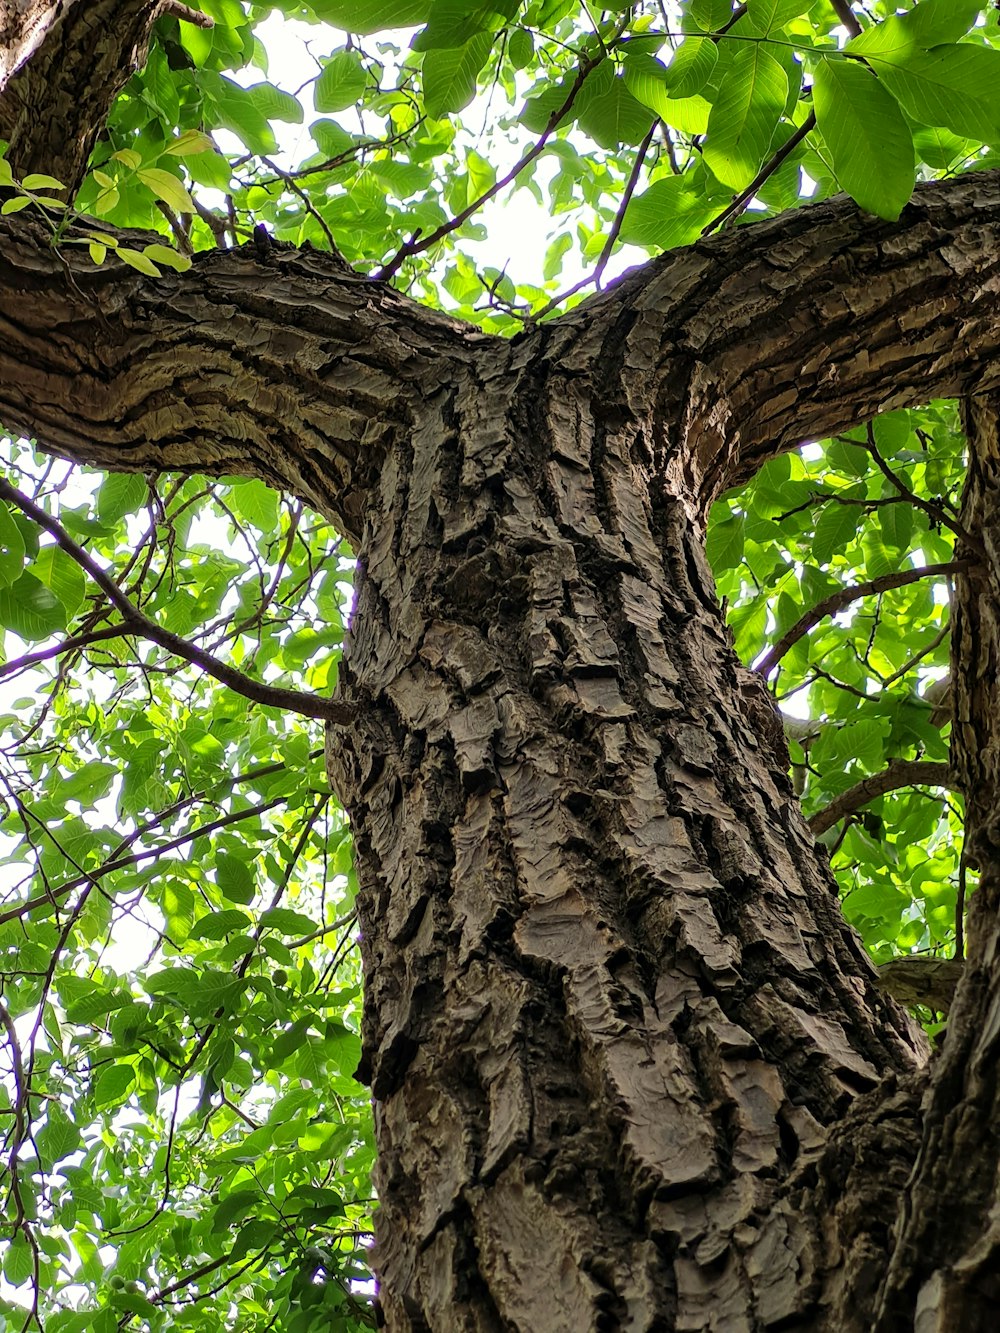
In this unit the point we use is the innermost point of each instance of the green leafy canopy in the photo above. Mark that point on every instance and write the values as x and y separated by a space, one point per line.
181 991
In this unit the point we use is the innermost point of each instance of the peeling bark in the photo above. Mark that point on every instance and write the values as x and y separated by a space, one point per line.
611 1000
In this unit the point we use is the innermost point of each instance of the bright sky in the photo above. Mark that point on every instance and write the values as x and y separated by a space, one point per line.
517 226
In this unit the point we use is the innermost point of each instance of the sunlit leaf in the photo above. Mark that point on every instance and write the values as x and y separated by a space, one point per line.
743 117
868 138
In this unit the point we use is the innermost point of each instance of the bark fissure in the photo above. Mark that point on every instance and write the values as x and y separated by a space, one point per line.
563 689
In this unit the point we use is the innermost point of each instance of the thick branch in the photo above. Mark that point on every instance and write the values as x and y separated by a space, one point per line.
272 696
293 369
837 601
62 64
899 773
804 325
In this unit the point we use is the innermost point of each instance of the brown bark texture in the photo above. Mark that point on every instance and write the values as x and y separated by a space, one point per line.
630 1069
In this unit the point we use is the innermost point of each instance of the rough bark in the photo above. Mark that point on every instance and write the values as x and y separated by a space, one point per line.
611 998
302 372
630 1069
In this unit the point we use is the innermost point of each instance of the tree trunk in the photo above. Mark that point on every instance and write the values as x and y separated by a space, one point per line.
611 998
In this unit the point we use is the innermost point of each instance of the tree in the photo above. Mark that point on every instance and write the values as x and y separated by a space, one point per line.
630 1065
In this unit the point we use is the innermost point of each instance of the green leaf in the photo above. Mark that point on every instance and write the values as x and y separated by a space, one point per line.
710 15
171 981
932 22
369 16
166 187
18 1261
953 86
234 878
163 254
449 74
209 169
90 783
210 991
235 1206
878 560
836 528
892 432
725 543
667 214
39 181
690 67
941 149
520 48
119 494
287 922
235 110
58 1137
767 15
749 624
868 138
929 23
257 503
189 143
274 104
138 261
743 119
217 925
11 548
31 609
896 523
252 1236
645 77
113 1085
341 83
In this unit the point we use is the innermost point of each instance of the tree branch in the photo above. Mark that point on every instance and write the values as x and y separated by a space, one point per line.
296 371
417 245
829 606
740 202
123 862
847 16
935 512
272 696
804 325
62 64
899 773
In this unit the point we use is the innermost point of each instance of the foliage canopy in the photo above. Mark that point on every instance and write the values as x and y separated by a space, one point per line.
186 1146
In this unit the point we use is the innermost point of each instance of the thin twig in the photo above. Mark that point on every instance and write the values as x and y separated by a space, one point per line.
932 510
122 863
899 773
271 696
853 592
594 278
416 246
57 650
907 666
737 205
